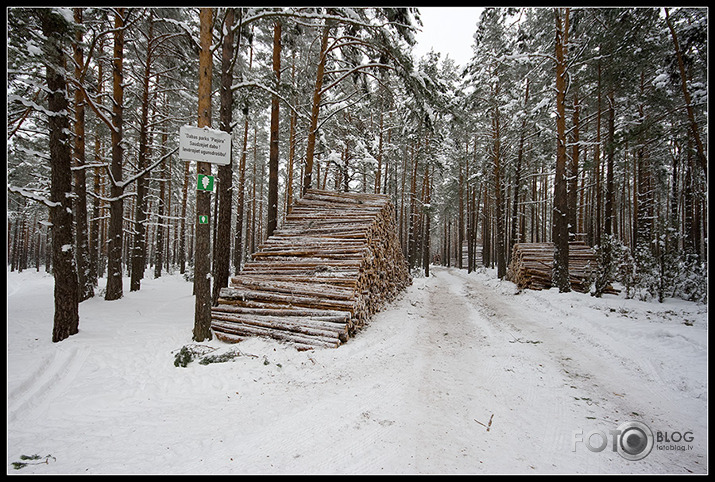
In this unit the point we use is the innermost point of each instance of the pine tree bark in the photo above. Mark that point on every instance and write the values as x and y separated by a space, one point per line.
597 225
695 131
460 221
138 255
291 150
560 218
66 317
610 152
161 210
517 178
114 289
275 117
572 183
238 247
202 261
499 196
182 228
317 95
426 248
222 244
86 286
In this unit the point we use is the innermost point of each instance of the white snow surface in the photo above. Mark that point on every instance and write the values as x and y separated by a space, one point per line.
413 393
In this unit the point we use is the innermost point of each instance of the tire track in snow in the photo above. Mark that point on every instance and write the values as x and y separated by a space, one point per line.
596 375
50 380
449 390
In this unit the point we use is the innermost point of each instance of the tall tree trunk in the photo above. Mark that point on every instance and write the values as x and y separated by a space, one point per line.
139 249
486 230
86 286
291 150
275 117
317 95
460 221
468 227
517 179
182 228
161 232
499 196
560 218
610 151
597 166
572 183
66 317
202 260
695 131
222 245
114 289
426 236
378 174
94 238
238 247
412 226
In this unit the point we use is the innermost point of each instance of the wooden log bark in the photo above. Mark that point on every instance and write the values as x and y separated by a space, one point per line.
333 264
532 264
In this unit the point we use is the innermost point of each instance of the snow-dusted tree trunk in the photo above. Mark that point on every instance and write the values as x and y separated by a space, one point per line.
222 243
138 254
202 262
315 111
694 129
275 116
66 318
116 206
86 285
560 233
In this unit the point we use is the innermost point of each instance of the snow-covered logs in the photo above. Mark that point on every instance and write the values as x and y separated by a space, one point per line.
532 263
334 263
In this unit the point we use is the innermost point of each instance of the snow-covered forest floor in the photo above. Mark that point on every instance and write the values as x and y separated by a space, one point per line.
461 374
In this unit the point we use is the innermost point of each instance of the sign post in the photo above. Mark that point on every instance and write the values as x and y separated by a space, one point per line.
206 146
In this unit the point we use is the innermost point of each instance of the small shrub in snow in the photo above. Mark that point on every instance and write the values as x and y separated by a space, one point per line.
184 357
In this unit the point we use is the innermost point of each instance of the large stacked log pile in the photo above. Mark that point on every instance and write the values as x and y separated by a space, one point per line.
334 263
532 264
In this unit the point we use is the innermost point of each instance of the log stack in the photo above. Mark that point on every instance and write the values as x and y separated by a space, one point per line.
532 264
335 262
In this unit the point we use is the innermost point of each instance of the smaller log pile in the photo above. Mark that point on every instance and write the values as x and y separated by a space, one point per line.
532 264
317 279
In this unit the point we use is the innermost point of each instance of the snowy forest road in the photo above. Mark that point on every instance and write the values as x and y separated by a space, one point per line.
500 384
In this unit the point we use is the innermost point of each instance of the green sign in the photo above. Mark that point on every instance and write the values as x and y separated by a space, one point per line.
203 219
205 183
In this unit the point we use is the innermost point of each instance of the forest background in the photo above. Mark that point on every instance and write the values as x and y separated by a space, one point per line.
582 124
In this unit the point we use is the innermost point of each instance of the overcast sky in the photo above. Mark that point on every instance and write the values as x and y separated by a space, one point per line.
448 30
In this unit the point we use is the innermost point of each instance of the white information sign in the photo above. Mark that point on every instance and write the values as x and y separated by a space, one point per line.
203 144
